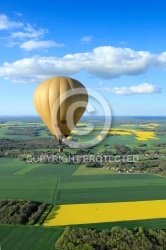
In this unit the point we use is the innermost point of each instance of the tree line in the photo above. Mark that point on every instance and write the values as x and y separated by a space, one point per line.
115 238
20 212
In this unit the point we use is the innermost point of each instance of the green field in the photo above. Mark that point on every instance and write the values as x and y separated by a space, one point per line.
64 183
40 182
83 170
148 224
57 184
36 182
10 166
110 188
28 237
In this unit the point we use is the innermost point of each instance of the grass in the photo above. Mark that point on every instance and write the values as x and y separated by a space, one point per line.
28 168
40 184
83 170
113 184
112 140
35 182
10 166
147 224
121 177
28 237
95 195
54 169
110 188
39 188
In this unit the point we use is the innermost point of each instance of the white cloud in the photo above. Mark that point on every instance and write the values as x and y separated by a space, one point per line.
30 45
109 62
161 62
27 37
29 32
143 88
30 69
86 39
6 24
105 62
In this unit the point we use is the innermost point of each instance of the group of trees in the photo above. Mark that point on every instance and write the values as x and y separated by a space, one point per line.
155 167
28 131
28 144
20 212
116 238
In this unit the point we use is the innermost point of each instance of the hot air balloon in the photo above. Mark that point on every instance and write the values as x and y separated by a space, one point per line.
60 102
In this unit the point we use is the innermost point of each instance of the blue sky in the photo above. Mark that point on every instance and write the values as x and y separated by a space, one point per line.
117 48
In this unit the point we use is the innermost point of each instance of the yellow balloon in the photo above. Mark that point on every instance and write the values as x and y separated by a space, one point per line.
60 102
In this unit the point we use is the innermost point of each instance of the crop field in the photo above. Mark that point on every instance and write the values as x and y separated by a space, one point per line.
137 133
107 212
83 170
28 188
41 182
80 190
129 130
54 170
110 188
36 182
10 166
148 224
28 237
122 194
21 186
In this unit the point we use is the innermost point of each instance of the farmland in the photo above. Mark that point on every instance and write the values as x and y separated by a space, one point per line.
30 182
110 188
106 212
61 184
31 237
42 181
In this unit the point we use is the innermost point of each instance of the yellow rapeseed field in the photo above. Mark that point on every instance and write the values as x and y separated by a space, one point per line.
99 137
106 212
139 134
143 135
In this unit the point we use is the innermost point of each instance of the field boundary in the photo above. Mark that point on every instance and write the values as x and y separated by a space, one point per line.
26 170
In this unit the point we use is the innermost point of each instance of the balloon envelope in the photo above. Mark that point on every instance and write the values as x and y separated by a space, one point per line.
60 101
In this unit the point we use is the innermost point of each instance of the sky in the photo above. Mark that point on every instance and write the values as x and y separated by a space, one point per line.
114 47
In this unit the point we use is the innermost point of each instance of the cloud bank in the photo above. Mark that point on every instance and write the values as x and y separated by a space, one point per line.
143 88
105 62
